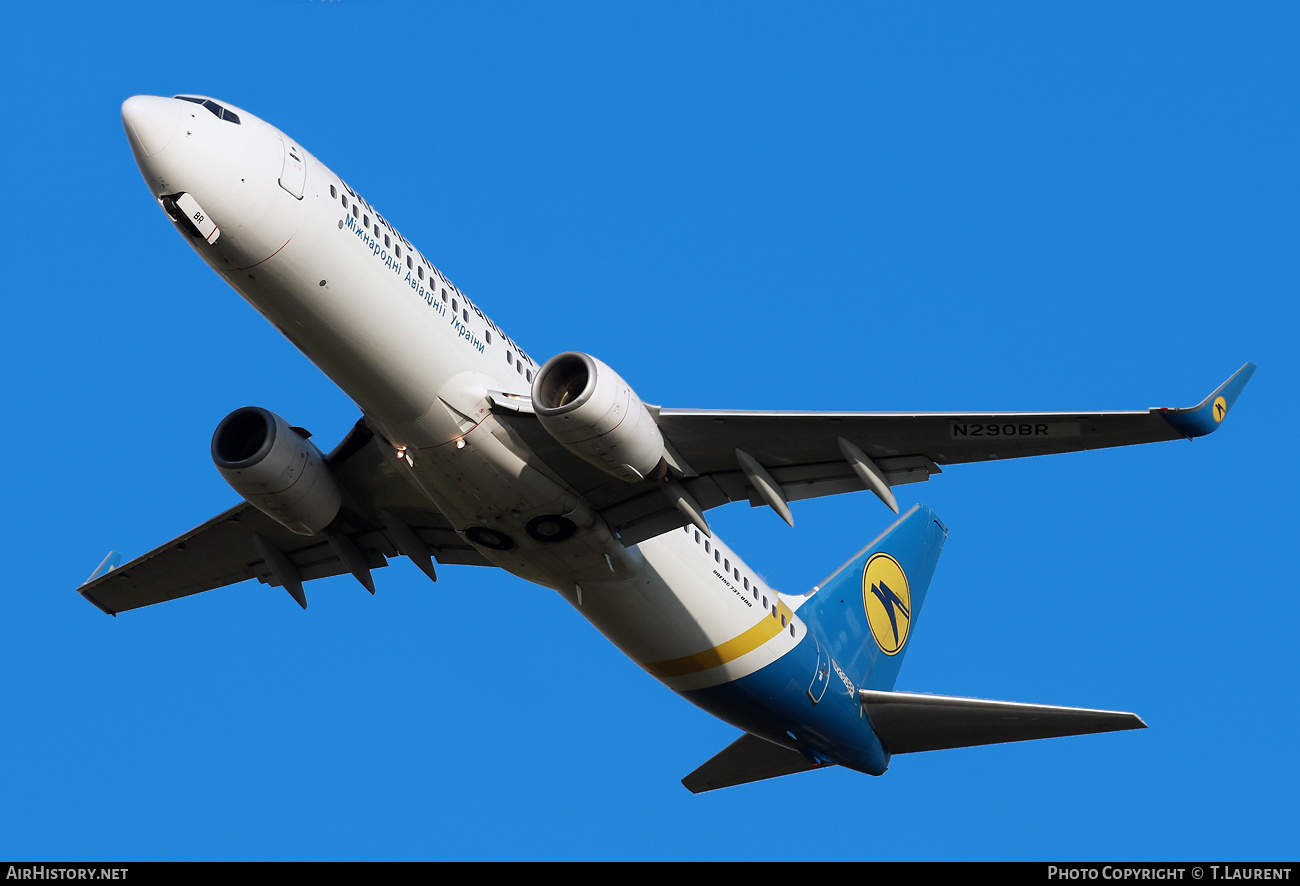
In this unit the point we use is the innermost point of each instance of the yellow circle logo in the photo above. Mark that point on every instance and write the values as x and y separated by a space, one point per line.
1220 408
887 601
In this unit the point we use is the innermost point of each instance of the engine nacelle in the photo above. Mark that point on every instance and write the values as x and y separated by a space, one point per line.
276 469
588 408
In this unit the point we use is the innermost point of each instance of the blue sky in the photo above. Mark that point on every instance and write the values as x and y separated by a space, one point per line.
842 206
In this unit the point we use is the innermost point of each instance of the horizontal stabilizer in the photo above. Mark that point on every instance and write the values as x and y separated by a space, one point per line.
907 722
748 758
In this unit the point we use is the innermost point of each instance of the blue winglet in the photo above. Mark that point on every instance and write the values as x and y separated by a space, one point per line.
109 563
1205 418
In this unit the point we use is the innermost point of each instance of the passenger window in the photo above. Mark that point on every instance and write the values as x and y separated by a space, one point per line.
726 564
488 333
399 250
510 358
365 223
333 192
408 261
420 273
529 375
453 305
345 202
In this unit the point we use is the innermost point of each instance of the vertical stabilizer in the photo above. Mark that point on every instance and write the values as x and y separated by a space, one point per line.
866 612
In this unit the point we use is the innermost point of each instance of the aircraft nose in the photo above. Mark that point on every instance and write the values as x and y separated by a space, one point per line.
150 121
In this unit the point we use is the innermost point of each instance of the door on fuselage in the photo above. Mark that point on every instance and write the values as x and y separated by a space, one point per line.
821 676
293 177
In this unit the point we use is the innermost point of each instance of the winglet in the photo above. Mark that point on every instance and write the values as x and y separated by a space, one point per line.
107 565
1197 421
112 561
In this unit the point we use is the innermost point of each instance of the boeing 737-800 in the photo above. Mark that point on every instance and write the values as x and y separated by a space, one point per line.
469 452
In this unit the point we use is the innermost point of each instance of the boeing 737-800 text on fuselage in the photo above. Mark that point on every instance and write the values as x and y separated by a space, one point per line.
469 452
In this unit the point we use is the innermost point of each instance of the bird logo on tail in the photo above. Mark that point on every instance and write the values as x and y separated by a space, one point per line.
887 601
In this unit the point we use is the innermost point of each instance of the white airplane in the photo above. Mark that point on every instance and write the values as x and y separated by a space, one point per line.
469 452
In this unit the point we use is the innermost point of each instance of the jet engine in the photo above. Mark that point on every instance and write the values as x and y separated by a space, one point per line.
589 409
276 469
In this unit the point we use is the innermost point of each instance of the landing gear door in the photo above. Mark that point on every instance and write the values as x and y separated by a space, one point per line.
293 177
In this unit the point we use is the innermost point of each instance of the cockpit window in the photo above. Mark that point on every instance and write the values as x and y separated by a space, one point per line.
218 111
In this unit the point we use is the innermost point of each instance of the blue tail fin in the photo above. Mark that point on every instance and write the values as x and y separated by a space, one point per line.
866 612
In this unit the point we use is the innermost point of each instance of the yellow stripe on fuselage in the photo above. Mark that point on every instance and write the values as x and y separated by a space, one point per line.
731 650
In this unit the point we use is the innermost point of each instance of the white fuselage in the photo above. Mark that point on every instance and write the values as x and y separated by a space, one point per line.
420 359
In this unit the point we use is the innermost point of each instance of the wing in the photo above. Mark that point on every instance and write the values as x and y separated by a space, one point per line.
772 458
244 543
